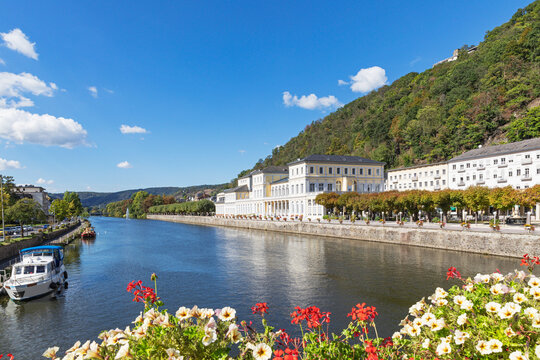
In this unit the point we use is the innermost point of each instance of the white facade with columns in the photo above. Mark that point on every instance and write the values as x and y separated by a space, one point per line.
290 191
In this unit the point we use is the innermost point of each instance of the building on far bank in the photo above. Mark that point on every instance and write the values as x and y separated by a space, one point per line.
37 193
291 190
421 177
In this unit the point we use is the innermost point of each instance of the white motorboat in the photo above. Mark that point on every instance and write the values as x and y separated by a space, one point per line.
39 272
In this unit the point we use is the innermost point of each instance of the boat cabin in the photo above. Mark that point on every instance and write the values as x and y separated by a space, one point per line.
39 260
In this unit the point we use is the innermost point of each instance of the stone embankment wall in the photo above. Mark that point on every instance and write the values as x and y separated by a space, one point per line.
508 245
11 250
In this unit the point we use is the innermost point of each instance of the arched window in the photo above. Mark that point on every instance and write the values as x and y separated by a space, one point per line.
338 185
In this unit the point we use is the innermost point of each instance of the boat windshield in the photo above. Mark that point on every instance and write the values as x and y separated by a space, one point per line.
40 269
18 270
28 270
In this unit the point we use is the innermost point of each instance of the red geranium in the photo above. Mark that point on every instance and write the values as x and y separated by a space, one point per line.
260 308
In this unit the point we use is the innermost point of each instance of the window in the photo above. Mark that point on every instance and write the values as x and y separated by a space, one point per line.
474 177
468 165
338 171
444 182
329 170
510 173
311 187
537 171
468 178
528 156
18 270
40 269
453 167
28 269
369 171
481 176
431 183
354 171
361 171
503 161
526 171
329 187
453 179
437 172
495 162
311 169
518 172
321 187
444 171
378 171
301 188
321 170
494 176
346 171
425 183
474 165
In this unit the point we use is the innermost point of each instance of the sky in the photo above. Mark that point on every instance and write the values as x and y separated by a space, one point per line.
113 95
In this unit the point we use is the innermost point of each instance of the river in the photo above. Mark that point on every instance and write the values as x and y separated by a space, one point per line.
216 267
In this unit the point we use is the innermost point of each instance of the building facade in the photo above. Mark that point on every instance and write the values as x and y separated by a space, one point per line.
37 193
291 191
422 177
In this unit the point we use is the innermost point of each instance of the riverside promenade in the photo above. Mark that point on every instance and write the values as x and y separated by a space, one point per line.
510 241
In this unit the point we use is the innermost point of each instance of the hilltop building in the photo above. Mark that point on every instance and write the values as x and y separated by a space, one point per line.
37 193
291 190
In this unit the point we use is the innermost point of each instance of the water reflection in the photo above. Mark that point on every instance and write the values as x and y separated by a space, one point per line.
215 267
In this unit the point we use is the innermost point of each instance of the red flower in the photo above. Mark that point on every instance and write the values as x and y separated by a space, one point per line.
278 355
452 273
260 308
312 315
363 313
292 354
141 293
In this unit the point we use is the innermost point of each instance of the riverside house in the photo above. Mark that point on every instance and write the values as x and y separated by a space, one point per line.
290 191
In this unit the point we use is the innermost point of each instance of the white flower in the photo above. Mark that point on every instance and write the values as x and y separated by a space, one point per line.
469 287
493 307
396 335
440 293
509 332
459 299
183 313
537 351
416 308
535 292
536 321
51 352
262 352
521 275
209 337
74 347
479 278
234 333
460 337
412 330
496 289
427 318
517 355
227 314
123 352
483 347
211 324
418 322
174 354
508 310
443 348
437 325
462 319
495 346
467 305
207 313
530 312
519 298
497 276
515 308
425 344
534 282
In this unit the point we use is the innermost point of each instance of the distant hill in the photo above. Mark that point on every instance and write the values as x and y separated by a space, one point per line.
489 94
100 199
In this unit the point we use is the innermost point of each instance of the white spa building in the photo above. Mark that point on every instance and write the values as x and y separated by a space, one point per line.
514 164
291 190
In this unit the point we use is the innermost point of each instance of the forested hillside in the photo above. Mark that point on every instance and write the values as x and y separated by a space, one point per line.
485 97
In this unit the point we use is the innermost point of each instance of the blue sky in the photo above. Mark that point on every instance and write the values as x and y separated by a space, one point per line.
215 85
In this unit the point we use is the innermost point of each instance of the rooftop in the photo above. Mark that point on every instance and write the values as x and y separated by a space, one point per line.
242 188
520 146
283 180
417 166
341 159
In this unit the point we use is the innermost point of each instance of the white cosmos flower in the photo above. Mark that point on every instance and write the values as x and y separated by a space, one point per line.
460 337
534 282
262 352
519 298
496 289
535 292
51 352
183 313
483 347
462 319
443 348
397 335
518 355
459 299
493 307
227 314
495 346
425 343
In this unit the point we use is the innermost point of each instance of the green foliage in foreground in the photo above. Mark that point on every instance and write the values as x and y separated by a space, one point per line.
441 112
491 316
190 207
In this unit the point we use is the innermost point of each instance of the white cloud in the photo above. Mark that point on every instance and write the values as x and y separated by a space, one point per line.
18 41
21 126
242 151
53 86
368 79
415 61
124 165
126 129
13 86
93 91
109 91
43 181
310 101
342 82
9 164
2 62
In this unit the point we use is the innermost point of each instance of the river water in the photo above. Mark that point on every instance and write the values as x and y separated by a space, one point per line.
216 267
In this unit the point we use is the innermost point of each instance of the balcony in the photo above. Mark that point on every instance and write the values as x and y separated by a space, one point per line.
414 178
480 182
437 187
526 177
437 176
461 183
461 170
503 165
481 167
526 161
501 180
